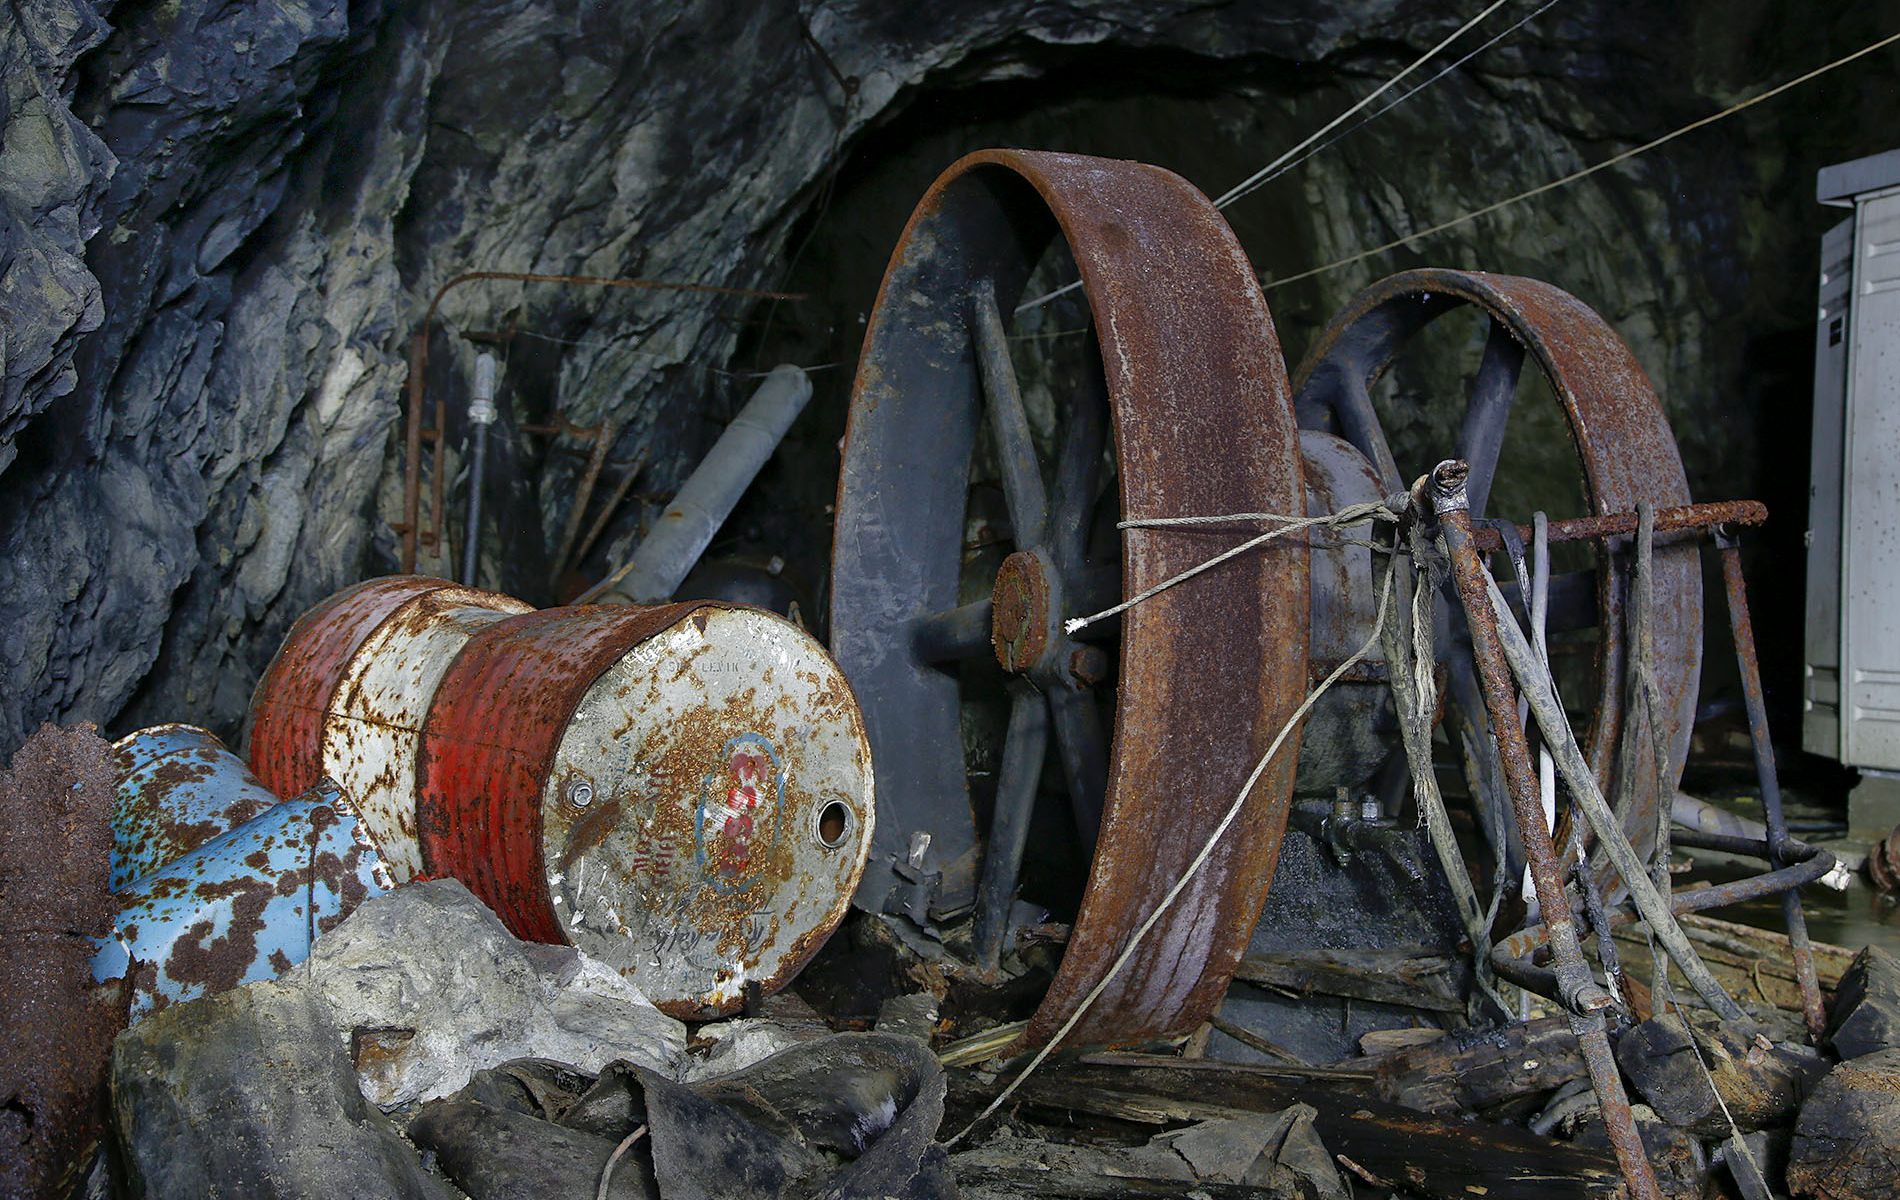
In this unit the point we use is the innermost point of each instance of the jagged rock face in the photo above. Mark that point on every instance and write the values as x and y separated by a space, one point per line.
222 222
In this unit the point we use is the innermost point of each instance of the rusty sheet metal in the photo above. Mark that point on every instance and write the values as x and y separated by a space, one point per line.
682 791
1626 449
1210 670
56 1035
346 696
243 906
178 787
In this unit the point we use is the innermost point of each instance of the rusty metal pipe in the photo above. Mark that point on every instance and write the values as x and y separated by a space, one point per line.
1815 863
419 368
1742 628
1668 520
1579 992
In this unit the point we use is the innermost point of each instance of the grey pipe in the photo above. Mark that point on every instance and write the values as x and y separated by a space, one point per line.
683 531
481 414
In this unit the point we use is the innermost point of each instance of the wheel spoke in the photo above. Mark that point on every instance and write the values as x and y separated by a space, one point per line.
1084 751
1481 439
1078 469
953 634
1027 741
1483 774
1359 422
1009 424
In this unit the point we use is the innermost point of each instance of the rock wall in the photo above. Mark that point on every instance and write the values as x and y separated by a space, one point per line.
220 223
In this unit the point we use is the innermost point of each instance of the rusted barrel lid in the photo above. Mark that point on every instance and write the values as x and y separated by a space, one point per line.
346 695
682 791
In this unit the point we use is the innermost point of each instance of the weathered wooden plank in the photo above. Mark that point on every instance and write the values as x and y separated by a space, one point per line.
1433 982
1433 1156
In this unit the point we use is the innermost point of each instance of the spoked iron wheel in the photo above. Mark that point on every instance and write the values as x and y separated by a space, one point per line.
1626 451
1199 419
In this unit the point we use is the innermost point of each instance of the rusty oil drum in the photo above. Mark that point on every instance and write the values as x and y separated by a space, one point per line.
346 696
243 905
682 791
178 788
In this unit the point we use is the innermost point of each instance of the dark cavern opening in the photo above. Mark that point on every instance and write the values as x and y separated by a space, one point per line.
992 598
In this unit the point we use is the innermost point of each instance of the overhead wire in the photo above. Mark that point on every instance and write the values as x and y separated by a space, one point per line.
1240 189
1387 107
1586 172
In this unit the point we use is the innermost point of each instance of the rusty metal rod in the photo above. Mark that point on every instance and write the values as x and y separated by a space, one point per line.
1668 520
1814 863
1588 799
419 367
584 494
412 465
1580 994
1742 629
614 500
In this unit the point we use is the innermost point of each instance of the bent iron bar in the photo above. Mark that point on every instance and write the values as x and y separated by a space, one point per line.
1578 990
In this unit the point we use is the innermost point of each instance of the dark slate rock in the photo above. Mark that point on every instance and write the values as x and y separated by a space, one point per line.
1866 1012
252 1094
1847 1141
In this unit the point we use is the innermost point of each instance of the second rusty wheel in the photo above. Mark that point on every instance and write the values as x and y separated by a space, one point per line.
1625 453
1198 407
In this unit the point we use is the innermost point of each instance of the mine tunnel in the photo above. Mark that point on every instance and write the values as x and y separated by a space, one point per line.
978 599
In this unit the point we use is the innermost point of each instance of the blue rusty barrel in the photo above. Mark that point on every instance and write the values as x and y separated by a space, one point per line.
244 905
178 788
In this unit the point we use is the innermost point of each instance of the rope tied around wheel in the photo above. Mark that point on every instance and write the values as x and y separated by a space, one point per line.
1393 509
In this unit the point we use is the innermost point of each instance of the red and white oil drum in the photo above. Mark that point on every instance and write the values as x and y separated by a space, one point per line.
346 695
683 791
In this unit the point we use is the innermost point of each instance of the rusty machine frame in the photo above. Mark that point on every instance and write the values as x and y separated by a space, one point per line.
1155 729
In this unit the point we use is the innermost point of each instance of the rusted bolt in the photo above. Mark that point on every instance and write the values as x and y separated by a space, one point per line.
1089 665
1019 612
580 793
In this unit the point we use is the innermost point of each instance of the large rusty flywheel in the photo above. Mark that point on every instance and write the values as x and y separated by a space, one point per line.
1155 731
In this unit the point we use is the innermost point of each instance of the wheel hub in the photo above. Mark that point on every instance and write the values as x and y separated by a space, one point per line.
1024 612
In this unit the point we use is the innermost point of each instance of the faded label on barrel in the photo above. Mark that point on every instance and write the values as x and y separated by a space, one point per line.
709 810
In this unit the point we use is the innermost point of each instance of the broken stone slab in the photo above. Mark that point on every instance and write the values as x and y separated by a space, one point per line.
1847 1139
428 987
1264 1156
1759 1082
727 1046
1278 1151
1866 1012
848 1115
914 1015
251 1094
